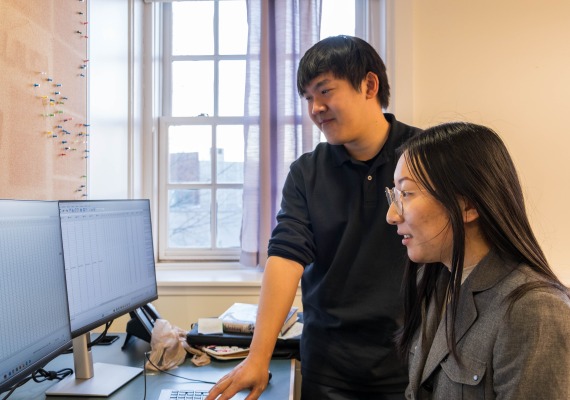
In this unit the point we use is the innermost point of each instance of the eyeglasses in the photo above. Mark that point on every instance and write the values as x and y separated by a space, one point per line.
394 196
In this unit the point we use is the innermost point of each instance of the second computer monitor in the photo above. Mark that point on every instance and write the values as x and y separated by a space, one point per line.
109 259
34 322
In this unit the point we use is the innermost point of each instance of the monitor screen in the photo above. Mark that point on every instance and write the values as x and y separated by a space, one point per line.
109 259
34 322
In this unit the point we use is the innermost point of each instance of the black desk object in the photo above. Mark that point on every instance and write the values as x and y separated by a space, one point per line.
289 348
281 386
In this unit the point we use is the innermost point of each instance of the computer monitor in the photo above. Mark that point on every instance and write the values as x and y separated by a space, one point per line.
109 264
34 322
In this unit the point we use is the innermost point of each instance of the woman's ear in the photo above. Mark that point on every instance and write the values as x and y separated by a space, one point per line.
372 85
469 211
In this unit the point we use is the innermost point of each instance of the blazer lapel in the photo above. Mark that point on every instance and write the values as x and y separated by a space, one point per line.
490 270
466 316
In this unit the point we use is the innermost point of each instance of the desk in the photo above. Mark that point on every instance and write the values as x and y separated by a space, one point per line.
280 387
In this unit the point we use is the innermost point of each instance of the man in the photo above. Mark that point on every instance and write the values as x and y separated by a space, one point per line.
332 234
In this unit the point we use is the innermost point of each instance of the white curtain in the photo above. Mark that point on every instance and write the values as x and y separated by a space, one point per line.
280 31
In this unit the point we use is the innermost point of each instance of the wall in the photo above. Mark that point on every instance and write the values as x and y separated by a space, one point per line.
43 142
504 64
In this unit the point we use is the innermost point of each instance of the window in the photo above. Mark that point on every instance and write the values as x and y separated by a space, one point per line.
201 130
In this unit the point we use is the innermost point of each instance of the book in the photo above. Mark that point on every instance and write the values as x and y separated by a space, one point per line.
240 318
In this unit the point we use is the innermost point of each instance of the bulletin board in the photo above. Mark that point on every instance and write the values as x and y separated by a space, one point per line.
44 133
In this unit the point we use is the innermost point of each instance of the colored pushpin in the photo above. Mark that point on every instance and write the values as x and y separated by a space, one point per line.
36 84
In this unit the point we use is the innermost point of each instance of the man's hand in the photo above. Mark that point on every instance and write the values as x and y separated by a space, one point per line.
247 375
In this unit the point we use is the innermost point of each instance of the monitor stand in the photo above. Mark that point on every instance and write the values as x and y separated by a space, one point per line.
98 380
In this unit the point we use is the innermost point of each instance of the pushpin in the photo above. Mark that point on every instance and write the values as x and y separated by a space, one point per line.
36 84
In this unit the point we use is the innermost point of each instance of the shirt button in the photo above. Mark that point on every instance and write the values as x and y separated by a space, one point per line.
475 377
369 177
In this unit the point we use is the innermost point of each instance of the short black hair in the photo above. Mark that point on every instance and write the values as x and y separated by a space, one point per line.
347 57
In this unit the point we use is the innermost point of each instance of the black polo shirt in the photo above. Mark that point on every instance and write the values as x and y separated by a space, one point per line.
333 222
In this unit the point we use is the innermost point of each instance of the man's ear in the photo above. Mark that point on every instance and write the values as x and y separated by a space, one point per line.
469 211
372 85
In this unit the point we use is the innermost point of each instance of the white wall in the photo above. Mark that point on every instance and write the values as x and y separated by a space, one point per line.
504 64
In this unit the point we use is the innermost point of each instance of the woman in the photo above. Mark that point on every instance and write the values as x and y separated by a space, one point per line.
485 316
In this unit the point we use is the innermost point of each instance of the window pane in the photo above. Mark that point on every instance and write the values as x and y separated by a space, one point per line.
193 28
189 152
230 152
189 218
338 18
229 217
232 88
192 88
233 27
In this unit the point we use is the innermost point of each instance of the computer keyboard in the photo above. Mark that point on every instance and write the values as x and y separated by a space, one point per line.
182 394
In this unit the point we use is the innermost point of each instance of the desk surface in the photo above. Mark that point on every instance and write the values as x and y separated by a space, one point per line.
280 387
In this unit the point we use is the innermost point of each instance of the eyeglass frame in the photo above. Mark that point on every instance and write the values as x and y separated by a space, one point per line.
394 196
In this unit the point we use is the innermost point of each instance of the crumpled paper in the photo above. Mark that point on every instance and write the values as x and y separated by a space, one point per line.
169 348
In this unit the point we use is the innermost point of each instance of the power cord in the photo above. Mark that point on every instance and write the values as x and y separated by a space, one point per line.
94 341
41 375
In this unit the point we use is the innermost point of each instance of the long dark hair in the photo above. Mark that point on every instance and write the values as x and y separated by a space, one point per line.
468 160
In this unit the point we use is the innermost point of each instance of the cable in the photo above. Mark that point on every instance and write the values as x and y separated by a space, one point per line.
16 386
101 336
41 375
94 341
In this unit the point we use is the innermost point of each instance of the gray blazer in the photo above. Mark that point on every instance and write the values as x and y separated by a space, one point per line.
524 354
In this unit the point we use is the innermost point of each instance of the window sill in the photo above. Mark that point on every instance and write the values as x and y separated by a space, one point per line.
207 278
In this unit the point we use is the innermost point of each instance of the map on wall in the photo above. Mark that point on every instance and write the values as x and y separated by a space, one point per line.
44 130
